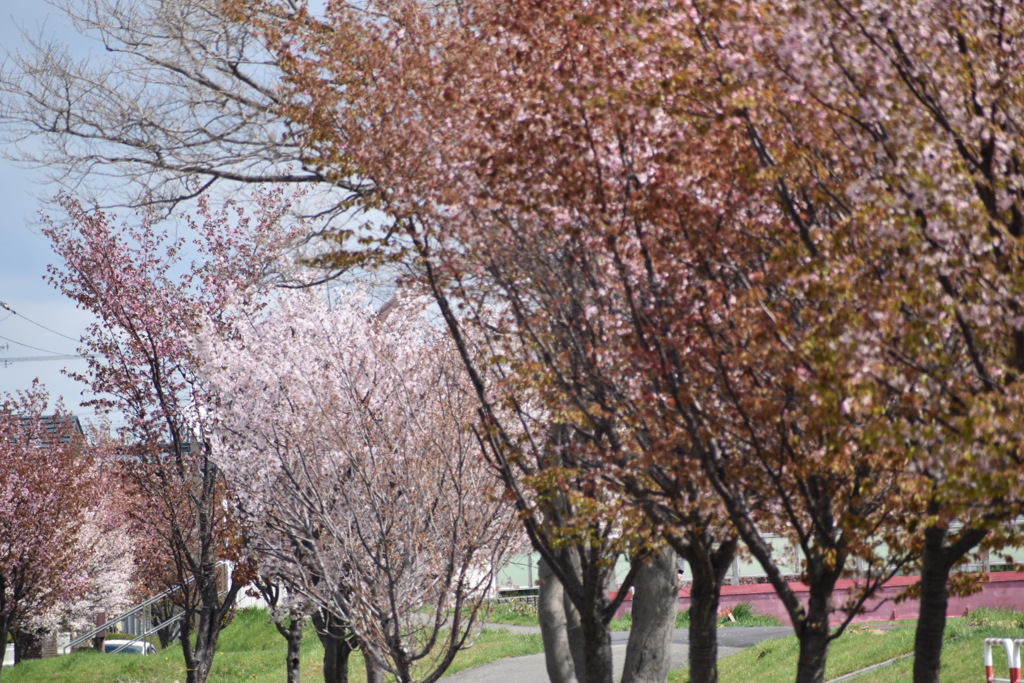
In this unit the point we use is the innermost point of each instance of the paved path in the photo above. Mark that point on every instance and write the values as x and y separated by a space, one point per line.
530 669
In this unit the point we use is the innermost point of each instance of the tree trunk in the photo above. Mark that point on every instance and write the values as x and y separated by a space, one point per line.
293 636
551 611
209 618
27 645
814 639
337 644
931 620
597 648
813 630
211 614
709 566
703 655
374 671
587 620
655 604
161 612
937 562
205 648
3 642
336 656
574 634
100 639
270 590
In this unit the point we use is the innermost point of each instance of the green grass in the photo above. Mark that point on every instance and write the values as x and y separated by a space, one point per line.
864 645
512 612
775 660
743 613
250 649
962 652
520 613
497 644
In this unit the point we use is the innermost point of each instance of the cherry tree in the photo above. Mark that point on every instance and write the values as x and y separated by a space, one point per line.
289 613
107 548
605 195
344 433
48 483
907 119
150 301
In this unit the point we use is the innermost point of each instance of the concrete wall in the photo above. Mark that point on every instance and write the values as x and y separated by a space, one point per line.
1002 590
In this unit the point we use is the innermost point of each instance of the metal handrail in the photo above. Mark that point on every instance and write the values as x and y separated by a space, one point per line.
133 611
173 620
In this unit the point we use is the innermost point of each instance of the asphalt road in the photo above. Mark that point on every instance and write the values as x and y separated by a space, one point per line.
530 669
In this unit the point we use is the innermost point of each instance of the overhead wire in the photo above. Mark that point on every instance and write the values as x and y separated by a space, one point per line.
13 312
34 348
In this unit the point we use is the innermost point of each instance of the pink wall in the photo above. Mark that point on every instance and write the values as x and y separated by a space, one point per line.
1003 590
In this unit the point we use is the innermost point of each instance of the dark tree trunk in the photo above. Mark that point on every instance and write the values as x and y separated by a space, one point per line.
3 642
551 611
374 671
270 590
655 604
205 648
813 631
161 612
293 636
588 614
597 648
703 655
337 643
937 562
201 626
709 566
27 645
574 634
336 656
213 612
814 640
931 621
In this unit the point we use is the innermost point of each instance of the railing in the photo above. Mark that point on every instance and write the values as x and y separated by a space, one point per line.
141 608
155 629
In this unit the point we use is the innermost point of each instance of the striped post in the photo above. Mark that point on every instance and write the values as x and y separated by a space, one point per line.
1012 659
1015 663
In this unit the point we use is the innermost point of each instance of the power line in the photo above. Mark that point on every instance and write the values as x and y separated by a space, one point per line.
29 346
60 334
7 362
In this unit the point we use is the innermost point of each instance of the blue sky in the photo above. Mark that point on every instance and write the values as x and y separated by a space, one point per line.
24 251
24 255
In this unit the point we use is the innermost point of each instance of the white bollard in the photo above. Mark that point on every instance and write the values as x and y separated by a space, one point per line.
1012 659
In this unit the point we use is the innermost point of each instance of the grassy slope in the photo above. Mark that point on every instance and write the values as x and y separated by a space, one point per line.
962 652
775 660
862 646
249 650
